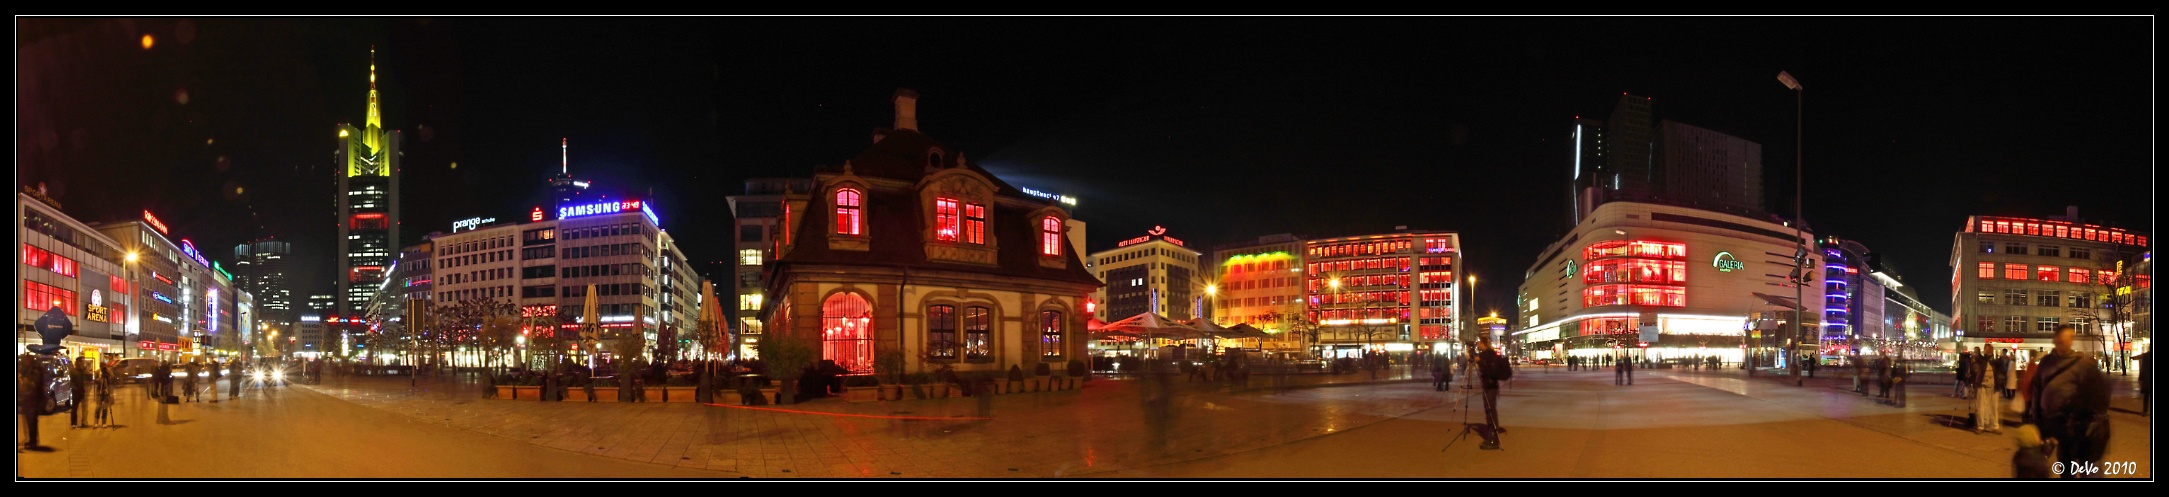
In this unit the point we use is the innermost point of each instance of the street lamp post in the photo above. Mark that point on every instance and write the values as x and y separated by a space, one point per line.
1799 289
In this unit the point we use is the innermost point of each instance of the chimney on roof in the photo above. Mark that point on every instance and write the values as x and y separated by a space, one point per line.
907 106
2072 211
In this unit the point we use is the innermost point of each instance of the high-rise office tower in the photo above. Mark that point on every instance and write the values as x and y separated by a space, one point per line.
262 271
368 204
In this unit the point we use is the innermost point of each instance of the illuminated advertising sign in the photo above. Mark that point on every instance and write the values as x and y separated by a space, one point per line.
1725 262
606 207
221 270
1156 231
153 221
536 215
1065 199
161 297
210 301
474 222
311 319
161 278
188 247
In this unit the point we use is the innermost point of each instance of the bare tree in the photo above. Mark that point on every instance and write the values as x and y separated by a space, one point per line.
2105 314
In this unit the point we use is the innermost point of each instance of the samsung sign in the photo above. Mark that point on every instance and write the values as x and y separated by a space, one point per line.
569 211
1065 199
471 223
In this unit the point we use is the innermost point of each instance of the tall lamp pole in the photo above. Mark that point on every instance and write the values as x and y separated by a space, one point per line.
1799 289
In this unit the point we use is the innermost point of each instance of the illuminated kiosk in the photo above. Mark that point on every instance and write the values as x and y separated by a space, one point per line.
909 249
1696 278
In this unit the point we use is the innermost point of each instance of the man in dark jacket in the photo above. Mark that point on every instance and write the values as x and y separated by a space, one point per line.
78 383
2069 400
1630 370
1619 371
1964 370
29 398
1493 369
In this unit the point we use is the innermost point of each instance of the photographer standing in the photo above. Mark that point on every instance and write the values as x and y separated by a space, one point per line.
1494 369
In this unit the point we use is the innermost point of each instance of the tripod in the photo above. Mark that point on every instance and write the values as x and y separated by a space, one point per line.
1482 430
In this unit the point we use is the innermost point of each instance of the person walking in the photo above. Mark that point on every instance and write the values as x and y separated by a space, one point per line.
2001 367
215 376
188 381
79 384
104 392
588 386
1882 378
29 399
1439 373
1619 371
2068 399
1494 370
1985 398
1630 371
233 383
1898 373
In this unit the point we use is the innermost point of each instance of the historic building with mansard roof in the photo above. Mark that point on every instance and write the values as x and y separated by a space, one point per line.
910 246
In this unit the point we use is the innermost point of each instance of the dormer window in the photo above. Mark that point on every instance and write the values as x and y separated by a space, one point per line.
1050 237
946 222
975 224
848 212
933 160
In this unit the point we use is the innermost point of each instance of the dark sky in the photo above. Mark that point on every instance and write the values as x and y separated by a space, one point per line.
1219 129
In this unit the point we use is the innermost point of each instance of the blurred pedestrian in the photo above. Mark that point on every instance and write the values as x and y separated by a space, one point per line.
1882 377
233 383
1898 374
29 399
188 381
1619 371
104 393
2145 362
2068 399
1630 372
78 385
1999 373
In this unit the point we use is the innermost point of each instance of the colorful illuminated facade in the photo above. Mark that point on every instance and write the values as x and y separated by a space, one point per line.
910 249
367 199
1697 279
1152 273
1260 283
2014 280
1385 292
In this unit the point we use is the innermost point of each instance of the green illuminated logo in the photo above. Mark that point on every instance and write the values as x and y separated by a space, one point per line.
1573 268
1726 263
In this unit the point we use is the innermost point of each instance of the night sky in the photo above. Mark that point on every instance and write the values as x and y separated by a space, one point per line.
1221 130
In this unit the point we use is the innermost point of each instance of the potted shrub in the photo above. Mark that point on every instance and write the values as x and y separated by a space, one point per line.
861 388
1077 372
889 371
1039 373
789 359
1016 379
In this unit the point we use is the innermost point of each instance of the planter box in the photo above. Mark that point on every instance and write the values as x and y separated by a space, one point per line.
1040 384
509 392
677 394
891 392
861 394
602 394
769 394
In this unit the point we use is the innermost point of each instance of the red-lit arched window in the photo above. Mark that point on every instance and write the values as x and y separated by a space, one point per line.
847 212
1050 236
846 332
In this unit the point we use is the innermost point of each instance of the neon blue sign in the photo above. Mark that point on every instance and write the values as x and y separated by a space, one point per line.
161 297
607 207
189 248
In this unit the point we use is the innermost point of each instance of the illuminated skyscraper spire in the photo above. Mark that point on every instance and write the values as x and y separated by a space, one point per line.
375 125
564 156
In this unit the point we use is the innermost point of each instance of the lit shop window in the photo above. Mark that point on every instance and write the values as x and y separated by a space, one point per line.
946 221
2014 271
1050 236
1642 295
1635 271
975 224
1988 271
1050 333
2046 273
941 332
749 257
1636 248
847 212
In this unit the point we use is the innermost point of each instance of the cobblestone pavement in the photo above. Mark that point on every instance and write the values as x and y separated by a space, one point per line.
1670 424
288 432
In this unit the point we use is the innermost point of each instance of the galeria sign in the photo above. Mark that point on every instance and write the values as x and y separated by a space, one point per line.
1725 262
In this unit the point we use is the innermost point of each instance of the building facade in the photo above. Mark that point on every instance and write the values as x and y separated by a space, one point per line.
1384 293
1686 281
756 216
1153 273
190 304
261 268
69 266
2015 280
910 250
1634 156
1260 283
367 204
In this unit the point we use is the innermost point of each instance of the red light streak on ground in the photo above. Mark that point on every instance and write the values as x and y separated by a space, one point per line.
849 415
